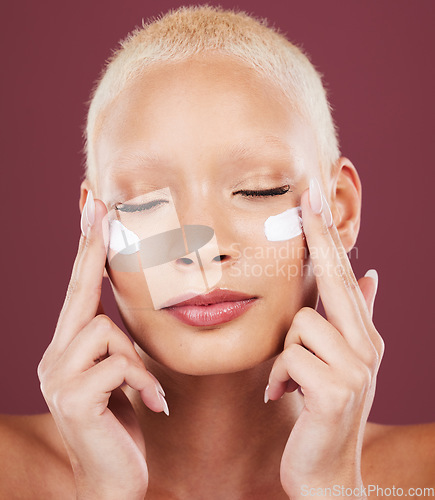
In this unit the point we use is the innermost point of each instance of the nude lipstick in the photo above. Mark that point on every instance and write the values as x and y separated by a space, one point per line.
214 308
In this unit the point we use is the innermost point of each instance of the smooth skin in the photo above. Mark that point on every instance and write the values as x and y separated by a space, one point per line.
220 440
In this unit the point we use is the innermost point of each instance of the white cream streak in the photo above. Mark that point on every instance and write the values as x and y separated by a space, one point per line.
284 226
121 238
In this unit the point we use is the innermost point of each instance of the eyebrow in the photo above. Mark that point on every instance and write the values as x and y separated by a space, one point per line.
242 150
245 150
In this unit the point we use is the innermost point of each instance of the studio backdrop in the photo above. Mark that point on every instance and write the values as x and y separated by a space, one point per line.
376 58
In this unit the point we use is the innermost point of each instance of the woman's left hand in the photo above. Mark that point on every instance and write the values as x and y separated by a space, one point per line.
334 362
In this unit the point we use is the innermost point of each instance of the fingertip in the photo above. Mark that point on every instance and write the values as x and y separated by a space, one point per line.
102 222
373 274
155 400
100 209
305 202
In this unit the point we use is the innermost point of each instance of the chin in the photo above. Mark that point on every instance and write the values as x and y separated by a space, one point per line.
209 365
210 351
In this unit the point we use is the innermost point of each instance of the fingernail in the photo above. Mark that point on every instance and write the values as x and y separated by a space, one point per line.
165 404
160 388
315 195
328 213
90 208
158 384
83 222
88 214
372 273
83 218
266 394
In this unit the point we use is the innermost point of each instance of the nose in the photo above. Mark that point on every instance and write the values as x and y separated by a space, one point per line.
202 248
207 212
186 261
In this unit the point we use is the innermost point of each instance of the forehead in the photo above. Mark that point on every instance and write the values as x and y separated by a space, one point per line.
198 108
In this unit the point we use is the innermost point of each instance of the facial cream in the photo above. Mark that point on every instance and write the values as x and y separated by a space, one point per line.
284 226
121 239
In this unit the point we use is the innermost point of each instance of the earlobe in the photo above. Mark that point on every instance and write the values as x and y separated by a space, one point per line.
346 202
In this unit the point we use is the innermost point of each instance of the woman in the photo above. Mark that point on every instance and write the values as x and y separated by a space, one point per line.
210 128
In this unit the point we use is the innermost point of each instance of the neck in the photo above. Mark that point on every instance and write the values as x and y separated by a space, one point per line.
219 427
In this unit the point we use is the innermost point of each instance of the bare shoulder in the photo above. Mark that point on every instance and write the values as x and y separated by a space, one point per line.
401 455
33 460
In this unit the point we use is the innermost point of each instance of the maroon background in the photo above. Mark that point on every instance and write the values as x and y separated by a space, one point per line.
378 61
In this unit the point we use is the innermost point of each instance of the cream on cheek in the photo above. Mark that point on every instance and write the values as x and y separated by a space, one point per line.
284 226
121 239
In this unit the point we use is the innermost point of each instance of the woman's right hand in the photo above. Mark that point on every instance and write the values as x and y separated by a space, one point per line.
81 372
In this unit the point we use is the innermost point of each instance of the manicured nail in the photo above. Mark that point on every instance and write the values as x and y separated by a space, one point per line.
160 388
84 219
88 214
315 195
328 213
165 404
158 384
372 273
83 223
90 208
266 394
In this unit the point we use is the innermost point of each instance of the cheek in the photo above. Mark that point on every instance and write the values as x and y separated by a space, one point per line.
271 247
130 290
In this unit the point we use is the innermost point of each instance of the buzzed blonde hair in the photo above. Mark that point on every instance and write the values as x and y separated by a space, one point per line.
191 30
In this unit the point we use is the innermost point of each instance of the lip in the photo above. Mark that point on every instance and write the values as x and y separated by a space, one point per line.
214 308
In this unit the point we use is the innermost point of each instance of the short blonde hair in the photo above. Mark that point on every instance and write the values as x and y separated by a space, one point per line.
186 31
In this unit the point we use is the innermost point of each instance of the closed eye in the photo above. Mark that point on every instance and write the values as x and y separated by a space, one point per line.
264 192
125 207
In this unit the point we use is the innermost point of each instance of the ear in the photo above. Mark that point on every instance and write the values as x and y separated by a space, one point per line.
346 201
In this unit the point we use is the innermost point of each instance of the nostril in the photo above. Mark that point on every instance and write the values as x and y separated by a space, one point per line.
185 260
221 258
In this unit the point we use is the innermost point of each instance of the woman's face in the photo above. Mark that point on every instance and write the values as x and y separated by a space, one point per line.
232 152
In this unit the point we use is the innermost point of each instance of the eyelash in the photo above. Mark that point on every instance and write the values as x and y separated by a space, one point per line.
251 193
139 208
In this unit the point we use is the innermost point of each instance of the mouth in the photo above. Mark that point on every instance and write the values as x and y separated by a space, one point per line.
214 308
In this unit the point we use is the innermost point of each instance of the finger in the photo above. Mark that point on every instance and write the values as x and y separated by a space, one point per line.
110 374
84 290
350 277
159 385
312 331
336 286
121 407
364 304
369 287
298 364
96 341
